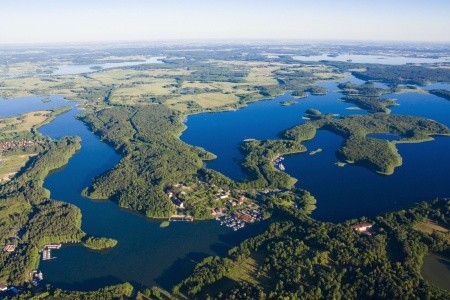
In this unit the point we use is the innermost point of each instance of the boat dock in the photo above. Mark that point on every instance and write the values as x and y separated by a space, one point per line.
47 251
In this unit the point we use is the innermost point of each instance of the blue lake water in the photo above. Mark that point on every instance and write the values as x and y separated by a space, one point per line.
341 192
18 106
79 69
145 254
221 133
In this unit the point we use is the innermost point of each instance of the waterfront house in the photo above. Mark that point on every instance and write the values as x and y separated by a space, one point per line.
247 218
362 227
9 248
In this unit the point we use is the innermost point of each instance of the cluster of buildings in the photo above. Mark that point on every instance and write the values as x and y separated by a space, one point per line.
231 210
36 277
237 213
20 144
277 163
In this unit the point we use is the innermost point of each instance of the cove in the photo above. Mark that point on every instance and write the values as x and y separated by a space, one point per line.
145 254
342 192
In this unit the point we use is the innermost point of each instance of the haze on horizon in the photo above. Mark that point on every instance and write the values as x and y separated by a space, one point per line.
47 21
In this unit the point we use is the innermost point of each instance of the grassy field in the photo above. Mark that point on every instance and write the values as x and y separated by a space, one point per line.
244 271
10 165
262 76
429 227
66 85
206 100
139 86
25 69
23 123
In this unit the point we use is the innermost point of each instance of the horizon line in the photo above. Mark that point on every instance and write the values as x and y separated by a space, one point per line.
218 41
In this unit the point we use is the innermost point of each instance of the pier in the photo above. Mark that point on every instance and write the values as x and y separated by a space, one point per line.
47 251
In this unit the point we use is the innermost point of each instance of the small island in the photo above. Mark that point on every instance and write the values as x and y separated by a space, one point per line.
317 90
299 94
366 96
288 103
99 243
315 151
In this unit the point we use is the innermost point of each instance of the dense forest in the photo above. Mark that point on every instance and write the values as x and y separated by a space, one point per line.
29 219
403 74
366 96
379 155
300 258
154 157
118 292
258 163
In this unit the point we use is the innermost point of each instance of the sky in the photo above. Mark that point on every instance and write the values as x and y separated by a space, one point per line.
61 21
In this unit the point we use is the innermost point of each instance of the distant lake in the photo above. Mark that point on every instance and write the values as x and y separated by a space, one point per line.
18 106
372 59
89 68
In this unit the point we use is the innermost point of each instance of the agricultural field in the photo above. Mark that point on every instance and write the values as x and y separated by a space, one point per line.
10 165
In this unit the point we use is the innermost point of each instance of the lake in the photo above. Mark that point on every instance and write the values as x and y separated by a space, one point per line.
221 133
145 254
341 192
372 59
89 68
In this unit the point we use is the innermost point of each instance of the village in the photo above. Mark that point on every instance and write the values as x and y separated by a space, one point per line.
231 208
20 144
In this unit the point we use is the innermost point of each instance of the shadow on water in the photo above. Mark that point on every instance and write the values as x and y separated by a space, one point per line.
88 285
180 268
